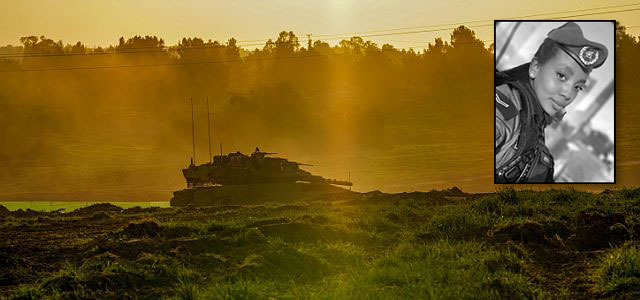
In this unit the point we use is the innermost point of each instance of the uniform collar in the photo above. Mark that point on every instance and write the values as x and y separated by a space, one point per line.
521 75
541 117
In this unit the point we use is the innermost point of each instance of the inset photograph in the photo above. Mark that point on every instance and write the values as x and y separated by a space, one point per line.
554 102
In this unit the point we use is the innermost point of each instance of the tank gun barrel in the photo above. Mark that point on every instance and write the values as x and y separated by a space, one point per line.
338 182
320 179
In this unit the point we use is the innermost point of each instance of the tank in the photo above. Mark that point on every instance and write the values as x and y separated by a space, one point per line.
237 178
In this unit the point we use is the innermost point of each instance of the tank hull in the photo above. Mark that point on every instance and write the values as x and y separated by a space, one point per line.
251 194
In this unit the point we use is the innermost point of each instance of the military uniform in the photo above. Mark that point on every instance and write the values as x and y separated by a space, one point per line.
521 153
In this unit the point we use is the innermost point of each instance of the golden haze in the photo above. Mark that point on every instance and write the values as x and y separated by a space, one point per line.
397 120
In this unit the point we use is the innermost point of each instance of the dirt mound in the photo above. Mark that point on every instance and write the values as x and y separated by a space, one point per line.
559 228
591 216
28 213
177 232
527 233
133 210
596 229
99 215
599 236
194 246
433 197
62 283
375 193
139 230
105 207
138 209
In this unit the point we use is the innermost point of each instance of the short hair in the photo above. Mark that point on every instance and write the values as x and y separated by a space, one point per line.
547 50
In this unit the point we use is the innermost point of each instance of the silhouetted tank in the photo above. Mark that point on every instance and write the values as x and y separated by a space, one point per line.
249 179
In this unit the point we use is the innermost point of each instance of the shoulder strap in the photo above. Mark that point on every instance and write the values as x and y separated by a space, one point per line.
505 105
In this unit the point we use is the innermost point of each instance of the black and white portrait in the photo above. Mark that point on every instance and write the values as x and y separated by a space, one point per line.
554 102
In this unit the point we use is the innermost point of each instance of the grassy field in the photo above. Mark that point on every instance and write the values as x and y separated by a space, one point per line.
436 245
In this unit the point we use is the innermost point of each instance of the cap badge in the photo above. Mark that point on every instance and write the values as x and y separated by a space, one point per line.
589 55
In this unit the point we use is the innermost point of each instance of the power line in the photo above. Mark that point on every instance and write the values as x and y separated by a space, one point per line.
268 58
374 34
598 13
482 25
193 63
424 46
398 29
457 23
164 64
398 33
166 49
414 41
480 21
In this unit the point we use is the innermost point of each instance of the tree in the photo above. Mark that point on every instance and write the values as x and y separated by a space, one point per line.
232 50
139 43
438 47
463 37
44 45
353 46
321 47
78 48
286 44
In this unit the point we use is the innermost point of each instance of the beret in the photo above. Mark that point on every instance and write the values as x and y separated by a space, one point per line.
588 54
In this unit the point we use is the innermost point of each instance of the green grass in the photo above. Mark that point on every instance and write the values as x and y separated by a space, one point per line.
511 244
619 272
440 270
443 270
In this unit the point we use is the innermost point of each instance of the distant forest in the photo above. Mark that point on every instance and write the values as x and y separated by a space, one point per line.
309 96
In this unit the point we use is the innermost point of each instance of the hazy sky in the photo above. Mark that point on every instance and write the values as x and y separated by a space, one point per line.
124 133
101 23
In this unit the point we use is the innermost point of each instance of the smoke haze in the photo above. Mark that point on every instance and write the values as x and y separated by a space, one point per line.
395 120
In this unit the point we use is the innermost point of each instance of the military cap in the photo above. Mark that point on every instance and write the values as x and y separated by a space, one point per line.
588 54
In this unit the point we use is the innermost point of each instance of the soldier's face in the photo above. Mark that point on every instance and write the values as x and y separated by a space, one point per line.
557 82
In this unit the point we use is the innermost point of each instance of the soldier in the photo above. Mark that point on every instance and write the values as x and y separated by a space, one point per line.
533 95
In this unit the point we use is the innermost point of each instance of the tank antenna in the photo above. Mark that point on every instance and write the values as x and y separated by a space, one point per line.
349 179
193 132
220 148
209 130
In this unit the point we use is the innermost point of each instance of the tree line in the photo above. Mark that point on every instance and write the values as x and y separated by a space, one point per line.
311 95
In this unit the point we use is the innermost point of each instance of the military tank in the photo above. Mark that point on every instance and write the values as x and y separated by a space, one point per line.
237 178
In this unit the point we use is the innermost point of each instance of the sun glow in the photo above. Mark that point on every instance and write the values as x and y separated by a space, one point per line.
340 12
340 5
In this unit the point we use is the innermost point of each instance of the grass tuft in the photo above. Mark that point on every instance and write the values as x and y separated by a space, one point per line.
619 272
